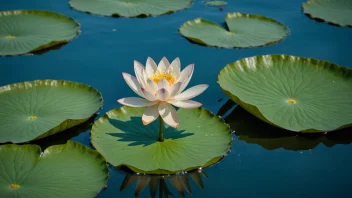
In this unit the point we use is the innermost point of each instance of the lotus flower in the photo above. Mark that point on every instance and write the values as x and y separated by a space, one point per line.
161 87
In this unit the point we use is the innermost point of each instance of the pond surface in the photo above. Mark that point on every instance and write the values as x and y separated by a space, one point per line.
254 168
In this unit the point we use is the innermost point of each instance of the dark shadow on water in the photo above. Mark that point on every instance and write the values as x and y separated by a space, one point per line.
161 184
138 134
255 131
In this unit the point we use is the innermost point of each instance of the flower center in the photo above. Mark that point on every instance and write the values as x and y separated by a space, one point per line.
32 118
10 37
14 186
158 76
291 101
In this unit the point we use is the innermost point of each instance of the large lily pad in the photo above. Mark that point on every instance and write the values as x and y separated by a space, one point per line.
294 93
25 31
202 139
68 170
128 8
252 130
33 110
245 30
332 11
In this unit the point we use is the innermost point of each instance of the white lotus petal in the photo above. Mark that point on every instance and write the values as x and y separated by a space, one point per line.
191 92
152 86
169 114
138 69
135 102
162 94
163 84
187 104
133 83
149 96
150 67
174 89
150 114
175 67
163 65
185 77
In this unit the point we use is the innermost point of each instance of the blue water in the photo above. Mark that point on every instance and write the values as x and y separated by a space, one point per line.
99 55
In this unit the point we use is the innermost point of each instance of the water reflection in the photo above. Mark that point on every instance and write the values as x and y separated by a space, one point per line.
159 184
254 131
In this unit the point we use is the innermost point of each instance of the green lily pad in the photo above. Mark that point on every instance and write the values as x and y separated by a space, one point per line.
33 110
252 130
26 31
128 8
201 140
179 181
245 30
215 3
335 12
68 170
294 93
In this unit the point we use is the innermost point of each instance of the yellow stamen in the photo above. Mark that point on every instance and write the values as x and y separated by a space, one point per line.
10 37
14 186
292 101
158 76
32 118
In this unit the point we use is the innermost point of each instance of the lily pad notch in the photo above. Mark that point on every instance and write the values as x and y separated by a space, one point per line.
244 31
29 31
36 109
333 12
67 170
201 140
294 93
127 8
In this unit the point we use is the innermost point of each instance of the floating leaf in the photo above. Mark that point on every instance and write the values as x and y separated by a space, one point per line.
245 30
250 129
215 3
68 170
33 110
128 8
201 140
294 93
335 12
25 31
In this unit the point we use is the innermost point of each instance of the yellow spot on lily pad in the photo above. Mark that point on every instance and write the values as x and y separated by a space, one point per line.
10 37
32 118
14 186
292 101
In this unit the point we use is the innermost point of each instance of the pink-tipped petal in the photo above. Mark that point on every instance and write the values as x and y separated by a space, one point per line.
163 65
162 94
163 84
150 114
168 114
175 67
185 76
150 67
186 104
152 86
133 83
174 89
135 102
191 92
149 96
